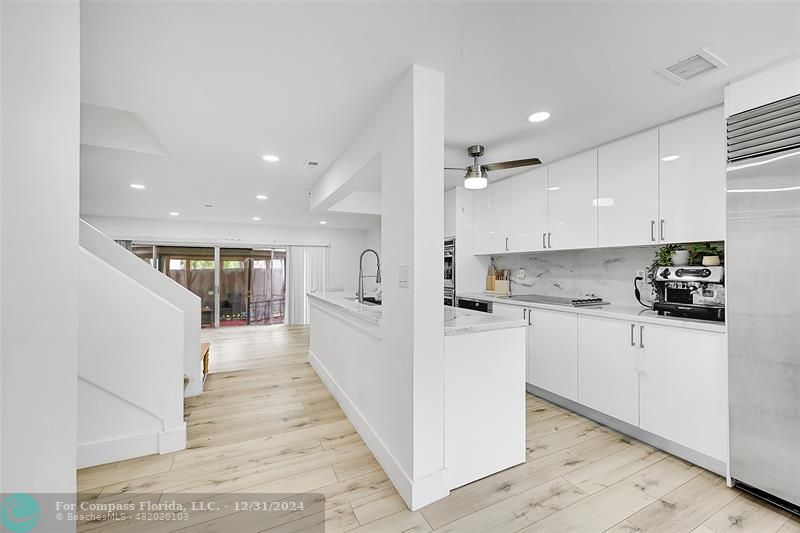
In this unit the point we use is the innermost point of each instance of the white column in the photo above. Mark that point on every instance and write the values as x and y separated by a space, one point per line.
39 202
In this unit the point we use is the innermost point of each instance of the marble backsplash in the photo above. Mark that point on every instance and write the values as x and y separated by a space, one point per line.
604 272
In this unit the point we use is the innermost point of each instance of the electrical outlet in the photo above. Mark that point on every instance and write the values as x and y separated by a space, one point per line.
521 273
640 273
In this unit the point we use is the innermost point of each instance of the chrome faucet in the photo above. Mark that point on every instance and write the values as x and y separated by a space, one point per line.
361 275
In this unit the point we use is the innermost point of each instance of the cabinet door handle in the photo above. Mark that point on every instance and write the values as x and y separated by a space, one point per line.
506 244
544 240
529 316
549 244
633 341
662 230
524 314
653 230
641 336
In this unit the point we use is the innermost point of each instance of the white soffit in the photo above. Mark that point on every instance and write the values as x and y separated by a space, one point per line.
117 129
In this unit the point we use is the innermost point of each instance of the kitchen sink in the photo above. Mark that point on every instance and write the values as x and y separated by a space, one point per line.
368 300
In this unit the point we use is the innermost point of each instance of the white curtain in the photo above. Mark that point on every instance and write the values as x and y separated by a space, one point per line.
307 272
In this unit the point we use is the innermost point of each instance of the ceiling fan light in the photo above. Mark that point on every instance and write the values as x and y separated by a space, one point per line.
475 182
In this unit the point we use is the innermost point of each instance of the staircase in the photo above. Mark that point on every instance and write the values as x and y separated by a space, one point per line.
138 338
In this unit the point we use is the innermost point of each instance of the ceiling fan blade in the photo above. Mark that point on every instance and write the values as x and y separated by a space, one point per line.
455 168
512 164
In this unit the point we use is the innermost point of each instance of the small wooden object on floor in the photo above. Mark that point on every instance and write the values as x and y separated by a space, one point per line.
205 349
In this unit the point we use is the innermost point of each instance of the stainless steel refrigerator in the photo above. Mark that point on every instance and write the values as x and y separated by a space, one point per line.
762 269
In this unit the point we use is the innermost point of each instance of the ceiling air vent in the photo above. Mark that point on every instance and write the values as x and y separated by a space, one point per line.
311 164
696 65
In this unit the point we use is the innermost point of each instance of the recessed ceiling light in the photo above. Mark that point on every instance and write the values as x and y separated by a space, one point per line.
262 197
539 116
173 213
256 218
137 186
323 222
554 188
271 158
669 158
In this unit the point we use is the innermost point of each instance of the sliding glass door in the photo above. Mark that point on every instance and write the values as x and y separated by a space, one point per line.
234 282
251 282
194 269
252 286
267 286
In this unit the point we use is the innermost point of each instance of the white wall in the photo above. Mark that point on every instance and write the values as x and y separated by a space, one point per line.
402 399
345 244
39 221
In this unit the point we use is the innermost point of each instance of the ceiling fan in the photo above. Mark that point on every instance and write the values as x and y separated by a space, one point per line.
476 174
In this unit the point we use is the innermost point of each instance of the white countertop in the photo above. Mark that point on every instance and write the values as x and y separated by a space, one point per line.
456 321
620 311
344 301
459 321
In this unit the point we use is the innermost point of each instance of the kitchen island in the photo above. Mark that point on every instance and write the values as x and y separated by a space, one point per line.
483 386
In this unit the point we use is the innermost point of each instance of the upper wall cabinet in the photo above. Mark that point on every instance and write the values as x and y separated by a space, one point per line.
450 213
491 220
692 178
627 191
572 207
528 210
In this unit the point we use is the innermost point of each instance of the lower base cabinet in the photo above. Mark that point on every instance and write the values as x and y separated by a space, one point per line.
683 387
670 381
608 373
553 352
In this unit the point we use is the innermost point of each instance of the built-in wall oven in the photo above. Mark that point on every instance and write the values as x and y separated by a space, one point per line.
450 271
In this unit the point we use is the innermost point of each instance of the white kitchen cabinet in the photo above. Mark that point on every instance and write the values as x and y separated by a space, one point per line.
692 186
627 191
553 352
516 312
608 375
572 210
484 403
450 212
682 387
491 221
528 210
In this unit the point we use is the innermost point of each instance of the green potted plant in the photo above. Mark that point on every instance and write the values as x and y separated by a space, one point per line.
664 255
706 254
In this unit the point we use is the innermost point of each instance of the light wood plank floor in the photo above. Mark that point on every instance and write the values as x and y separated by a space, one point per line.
267 424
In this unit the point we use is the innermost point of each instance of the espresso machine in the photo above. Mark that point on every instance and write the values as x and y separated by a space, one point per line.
690 292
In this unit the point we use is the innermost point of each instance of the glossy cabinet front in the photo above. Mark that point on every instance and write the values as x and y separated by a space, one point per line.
572 205
692 156
491 221
627 191
528 210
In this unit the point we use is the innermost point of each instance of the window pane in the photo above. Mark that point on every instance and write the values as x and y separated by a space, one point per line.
201 265
177 264
233 265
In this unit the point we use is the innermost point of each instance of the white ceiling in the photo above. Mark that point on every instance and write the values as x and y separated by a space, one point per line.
218 84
